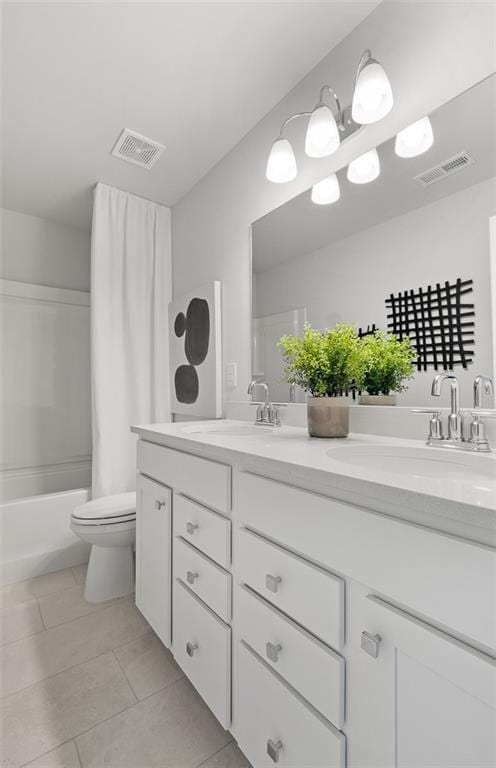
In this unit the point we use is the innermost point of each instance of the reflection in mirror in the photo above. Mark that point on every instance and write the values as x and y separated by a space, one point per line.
408 252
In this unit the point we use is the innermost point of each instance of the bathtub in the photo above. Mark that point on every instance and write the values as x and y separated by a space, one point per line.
36 537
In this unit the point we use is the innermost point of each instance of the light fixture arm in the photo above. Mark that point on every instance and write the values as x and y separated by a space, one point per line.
365 58
293 117
328 89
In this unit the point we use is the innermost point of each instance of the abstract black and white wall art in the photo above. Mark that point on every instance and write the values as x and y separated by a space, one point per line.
195 352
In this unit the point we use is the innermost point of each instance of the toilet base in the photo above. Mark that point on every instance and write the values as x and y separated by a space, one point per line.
110 573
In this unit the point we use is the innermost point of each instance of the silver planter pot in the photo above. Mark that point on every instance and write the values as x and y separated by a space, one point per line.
328 416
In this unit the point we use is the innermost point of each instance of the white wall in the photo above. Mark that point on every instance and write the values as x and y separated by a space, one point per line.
349 280
432 51
45 378
40 251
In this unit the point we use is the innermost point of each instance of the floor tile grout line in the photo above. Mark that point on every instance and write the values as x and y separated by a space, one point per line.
231 740
3 699
117 714
43 754
24 637
77 752
77 618
125 675
115 601
36 597
41 614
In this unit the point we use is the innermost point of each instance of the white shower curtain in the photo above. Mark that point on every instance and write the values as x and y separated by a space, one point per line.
130 293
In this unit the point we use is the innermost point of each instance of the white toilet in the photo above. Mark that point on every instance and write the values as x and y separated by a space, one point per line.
109 525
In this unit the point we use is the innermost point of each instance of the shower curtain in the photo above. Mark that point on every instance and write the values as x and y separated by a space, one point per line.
130 293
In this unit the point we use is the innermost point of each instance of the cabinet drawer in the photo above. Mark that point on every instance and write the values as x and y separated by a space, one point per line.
207 530
202 479
437 576
202 648
307 593
307 664
204 577
271 715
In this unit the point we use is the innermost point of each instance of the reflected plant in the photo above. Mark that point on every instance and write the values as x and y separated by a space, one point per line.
386 363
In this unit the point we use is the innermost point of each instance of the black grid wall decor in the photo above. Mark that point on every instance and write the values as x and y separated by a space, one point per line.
439 321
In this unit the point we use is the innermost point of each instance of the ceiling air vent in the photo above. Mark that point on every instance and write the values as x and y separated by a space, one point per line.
449 166
136 149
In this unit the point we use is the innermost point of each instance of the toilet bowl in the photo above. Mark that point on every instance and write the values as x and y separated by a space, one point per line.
109 525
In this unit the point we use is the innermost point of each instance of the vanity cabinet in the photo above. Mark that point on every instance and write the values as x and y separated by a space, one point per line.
419 698
153 555
321 633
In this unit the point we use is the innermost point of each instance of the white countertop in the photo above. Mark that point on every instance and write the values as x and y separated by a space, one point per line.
463 503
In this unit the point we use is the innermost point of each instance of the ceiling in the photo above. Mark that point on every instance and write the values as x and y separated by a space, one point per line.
194 76
299 227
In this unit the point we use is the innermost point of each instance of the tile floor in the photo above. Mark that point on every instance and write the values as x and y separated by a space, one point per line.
91 686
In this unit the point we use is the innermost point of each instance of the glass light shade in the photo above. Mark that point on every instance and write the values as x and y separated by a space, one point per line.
414 140
281 165
326 191
365 168
322 136
373 97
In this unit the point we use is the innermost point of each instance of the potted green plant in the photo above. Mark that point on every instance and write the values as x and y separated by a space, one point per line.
386 363
325 364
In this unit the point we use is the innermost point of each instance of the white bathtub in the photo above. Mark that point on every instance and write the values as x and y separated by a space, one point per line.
36 537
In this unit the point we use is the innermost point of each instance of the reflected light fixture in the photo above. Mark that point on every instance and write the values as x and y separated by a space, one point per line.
365 168
322 136
373 96
326 191
414 140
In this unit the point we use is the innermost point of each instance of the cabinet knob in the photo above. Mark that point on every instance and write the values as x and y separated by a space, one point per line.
191 648
191 528
272 651
159 504
272 582
273 749
370 644
191 577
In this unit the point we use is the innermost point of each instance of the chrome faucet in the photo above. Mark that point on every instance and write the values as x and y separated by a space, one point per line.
455 438
455 428
267 412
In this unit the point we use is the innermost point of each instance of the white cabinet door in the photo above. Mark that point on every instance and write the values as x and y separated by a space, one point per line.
153 555
425 701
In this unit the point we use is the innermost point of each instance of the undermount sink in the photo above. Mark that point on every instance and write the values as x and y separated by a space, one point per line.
234 430
425 462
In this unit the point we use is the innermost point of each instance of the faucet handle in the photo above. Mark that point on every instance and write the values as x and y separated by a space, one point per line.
477 429
435 426
481 413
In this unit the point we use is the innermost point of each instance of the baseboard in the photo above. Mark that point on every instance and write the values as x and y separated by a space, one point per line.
44 562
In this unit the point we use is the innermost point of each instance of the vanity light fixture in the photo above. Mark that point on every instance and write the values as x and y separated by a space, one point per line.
414 140
373 95
365 168
281 165
322 137
326 191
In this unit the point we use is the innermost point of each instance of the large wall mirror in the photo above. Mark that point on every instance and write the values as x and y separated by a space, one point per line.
409 252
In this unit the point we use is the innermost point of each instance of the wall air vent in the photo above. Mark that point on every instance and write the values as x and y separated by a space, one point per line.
136 149
446 168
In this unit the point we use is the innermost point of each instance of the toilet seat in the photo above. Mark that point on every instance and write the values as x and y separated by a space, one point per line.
108 510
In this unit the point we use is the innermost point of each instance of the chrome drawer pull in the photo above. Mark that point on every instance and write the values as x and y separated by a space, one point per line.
159 504
191 528
370 644
273 651
191 577
191 648
272 582
273 749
